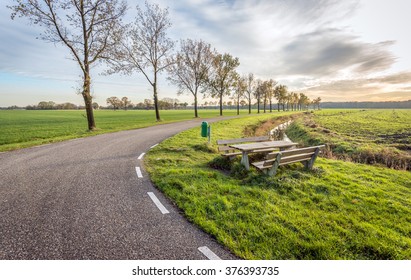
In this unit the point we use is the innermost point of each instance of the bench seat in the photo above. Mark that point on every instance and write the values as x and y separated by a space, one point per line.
273 160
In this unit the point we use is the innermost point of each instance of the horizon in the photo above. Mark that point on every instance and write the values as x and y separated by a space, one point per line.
350 51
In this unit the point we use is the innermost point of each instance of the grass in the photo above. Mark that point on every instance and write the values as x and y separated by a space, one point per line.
364 136
340 210
21 128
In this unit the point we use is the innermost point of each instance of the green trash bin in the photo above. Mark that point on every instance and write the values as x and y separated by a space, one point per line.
204 129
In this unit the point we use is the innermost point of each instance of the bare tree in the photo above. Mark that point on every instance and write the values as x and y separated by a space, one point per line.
147 47
126 103
191 67
222 76
270 92
258 93
114 102
250 89
88 28
280 93
239 91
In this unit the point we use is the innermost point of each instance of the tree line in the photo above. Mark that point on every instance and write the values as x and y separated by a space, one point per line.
93 32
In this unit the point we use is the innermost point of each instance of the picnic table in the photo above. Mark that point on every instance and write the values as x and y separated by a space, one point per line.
268 146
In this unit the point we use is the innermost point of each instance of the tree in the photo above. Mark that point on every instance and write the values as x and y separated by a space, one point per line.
304 101
114 102
146 48
270 84
148 103
280 93
222 76
239 91
190 67
258 93
44 105
316 102
126 103
250 89
90 29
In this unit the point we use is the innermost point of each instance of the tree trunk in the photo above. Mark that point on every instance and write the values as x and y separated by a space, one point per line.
88 102
258 106
195 106
221 104
249 105
271 106
238 106
156 102
278 106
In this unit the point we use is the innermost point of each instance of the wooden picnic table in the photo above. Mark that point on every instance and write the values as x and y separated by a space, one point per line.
268 146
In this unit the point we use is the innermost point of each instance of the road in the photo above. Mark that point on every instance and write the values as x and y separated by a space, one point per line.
83 199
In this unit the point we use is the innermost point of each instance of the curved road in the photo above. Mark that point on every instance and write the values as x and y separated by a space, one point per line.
83 199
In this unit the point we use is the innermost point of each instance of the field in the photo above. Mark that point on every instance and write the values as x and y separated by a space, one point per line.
364 136
340 210
20 129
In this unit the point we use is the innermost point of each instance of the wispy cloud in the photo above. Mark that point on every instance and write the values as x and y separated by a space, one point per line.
385 87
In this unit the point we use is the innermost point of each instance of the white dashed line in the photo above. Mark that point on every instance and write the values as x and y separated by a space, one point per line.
138 171
158 203
141 156
208 253
154 146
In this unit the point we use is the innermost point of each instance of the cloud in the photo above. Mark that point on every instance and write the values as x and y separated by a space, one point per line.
328 52
387 87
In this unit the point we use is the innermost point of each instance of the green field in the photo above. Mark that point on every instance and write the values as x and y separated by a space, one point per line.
21 128
364 136
340 210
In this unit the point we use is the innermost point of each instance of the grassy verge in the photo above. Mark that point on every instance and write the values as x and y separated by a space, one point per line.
21 129
363 136
340 210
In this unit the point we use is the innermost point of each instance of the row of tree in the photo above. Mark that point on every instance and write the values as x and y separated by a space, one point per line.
51 105
93 32
116 103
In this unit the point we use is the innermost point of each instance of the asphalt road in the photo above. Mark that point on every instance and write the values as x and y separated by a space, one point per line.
83 199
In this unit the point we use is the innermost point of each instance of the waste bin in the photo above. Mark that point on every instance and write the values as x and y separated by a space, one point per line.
204 129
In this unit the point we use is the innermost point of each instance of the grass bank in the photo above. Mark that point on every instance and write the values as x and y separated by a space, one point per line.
340 210
21 128
363 136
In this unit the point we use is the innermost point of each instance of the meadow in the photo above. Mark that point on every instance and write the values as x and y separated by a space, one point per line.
21 128
364 136
339 210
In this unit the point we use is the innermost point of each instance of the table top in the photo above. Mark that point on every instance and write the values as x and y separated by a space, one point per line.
263 145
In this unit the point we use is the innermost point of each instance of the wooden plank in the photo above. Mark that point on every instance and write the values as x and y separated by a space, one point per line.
231 154
225 148
262 145
296 157
260 165
294 160
242 140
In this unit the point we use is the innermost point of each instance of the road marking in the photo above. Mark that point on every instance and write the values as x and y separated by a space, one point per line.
208 253
138 171
154 146
158 203
141 156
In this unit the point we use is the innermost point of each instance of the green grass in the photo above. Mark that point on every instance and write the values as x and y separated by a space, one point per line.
340 210
365 136
20 128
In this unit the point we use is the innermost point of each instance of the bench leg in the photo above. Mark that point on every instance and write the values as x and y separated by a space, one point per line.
244 160
309 164
273 169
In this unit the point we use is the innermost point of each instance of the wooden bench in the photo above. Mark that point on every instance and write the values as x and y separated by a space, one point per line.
273 160
223 145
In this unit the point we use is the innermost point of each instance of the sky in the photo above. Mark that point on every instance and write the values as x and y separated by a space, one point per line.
347 50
